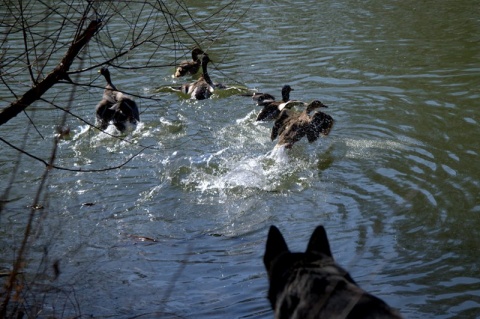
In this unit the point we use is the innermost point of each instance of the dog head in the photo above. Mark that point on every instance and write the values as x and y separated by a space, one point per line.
312 285
280 262
277 247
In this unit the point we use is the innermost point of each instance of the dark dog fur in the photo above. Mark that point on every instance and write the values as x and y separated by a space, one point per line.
312 285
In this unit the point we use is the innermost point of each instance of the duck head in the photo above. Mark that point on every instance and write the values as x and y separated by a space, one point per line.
195 53
104 71
315 104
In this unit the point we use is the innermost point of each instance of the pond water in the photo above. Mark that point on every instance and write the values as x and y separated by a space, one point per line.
180 230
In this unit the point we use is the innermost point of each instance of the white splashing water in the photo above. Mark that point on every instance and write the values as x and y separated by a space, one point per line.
258 172
247 117
279 154
111 132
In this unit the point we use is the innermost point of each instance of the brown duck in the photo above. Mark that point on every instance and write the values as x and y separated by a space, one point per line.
291 127
190 67
115 106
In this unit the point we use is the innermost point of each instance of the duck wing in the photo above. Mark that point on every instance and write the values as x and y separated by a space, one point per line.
103 113
320 123
280 124
293 131
201 90
269 112
125 110
291 103
133 109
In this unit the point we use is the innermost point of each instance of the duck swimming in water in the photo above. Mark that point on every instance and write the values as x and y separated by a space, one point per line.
202 88
190 67
260 98
263 99
292 127
271 108
115 106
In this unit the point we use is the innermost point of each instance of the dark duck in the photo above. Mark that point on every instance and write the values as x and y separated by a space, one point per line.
290 127
115 107
190 67
263 99
271 108
202 88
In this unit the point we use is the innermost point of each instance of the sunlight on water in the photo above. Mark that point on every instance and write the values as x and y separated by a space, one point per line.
259 172
247 173
249 117
82 132
364 148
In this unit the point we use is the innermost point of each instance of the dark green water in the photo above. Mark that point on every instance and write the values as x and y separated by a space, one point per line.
396 184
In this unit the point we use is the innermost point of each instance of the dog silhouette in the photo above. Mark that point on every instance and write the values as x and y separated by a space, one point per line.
313 285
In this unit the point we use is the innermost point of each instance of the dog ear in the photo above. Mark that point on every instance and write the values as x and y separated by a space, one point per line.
319 242
275 246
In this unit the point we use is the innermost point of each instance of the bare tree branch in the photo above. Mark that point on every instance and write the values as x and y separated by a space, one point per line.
49 165
59 73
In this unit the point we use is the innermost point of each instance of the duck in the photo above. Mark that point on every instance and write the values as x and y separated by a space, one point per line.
203 88
190 67
263 99
291 127
260 98
271 108
115 106
256 95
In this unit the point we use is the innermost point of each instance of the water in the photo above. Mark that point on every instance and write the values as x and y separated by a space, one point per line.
179 231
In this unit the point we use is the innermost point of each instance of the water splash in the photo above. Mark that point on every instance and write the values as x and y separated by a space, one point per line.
264 172
79 134
248 118
111 133
279 154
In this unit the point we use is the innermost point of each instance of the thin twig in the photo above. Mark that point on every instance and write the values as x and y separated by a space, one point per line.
81 170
